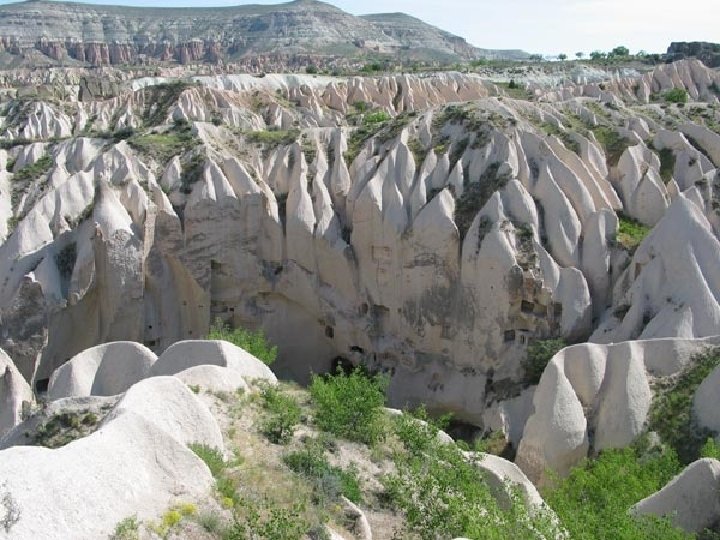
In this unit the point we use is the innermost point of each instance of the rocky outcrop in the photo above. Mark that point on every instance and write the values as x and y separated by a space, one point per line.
15 394
434 245
593 397
140 452
690 500
105 370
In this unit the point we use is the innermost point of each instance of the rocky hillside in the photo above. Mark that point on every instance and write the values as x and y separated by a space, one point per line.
539 259
294 34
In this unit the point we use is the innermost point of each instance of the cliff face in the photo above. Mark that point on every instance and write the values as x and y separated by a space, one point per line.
435 242
109 35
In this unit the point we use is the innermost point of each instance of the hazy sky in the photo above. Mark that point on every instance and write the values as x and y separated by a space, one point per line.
545 26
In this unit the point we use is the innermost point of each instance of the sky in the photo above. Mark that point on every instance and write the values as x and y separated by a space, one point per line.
548 27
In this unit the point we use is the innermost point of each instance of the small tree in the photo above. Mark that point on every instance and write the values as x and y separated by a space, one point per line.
350 406
621 51
562 56
579 55
676 95
597 55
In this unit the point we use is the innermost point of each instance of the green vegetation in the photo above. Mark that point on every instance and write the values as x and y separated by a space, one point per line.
350 406
191 173
212 457
676 95
64 427
671 412
127 529
667 164
159 98
162 146
273 138
611 141
539 353
443 495
714 88
65 260
564 136
631 233
283 415
377 124
252 342
475 195
263 521
328 482
30 173
593 501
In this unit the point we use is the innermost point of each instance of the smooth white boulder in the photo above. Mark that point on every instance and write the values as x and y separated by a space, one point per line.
14 391
213 378
690 499
104 370
170 405
185 354
501 472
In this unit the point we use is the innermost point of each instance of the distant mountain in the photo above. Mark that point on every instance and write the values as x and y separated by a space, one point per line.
44 32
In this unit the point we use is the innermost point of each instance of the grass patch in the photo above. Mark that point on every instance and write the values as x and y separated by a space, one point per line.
539 353
671 413
631 233
212 457
162 146
350 406
252 342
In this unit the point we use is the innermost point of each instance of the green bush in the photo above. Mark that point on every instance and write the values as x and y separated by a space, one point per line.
127 529
350 406
376 117
671 413
676 95
212 457
593 501
710 449
539 353
283 415
30 173
631 233
252 342
262 520
273 138
328 482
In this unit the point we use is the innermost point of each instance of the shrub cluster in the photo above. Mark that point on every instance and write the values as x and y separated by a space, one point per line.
350 406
